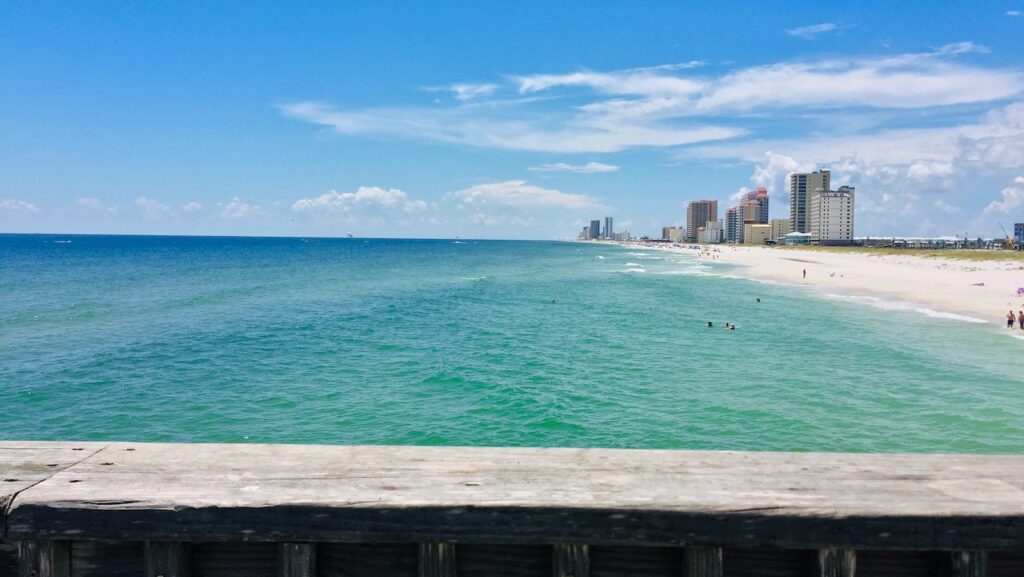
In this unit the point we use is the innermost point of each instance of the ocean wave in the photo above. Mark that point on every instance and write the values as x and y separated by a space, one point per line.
474 278
632 264
600 257
639 253
634 269
905 306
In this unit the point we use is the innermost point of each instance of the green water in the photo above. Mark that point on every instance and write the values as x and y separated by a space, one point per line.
445 343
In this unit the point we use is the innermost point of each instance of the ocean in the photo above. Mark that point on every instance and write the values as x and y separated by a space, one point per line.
488 343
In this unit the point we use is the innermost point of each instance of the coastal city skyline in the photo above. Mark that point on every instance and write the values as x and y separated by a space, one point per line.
503 133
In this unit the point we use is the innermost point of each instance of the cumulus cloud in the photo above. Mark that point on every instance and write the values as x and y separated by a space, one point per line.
946 208
519 194
152 208
578 168
238 209
808 32
192 207
369 197
1012 198
15 206
93 206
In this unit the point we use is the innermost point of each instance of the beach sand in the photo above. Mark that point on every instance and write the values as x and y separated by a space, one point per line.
984 290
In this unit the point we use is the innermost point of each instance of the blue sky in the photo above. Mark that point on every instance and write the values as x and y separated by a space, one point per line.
502 119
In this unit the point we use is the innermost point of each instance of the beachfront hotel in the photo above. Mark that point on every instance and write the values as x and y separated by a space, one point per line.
831 216
698 214
802 186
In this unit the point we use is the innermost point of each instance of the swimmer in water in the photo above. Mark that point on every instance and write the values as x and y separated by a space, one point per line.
758 300
710 324
732 327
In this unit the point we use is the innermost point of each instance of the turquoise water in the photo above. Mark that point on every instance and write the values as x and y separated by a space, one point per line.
445 343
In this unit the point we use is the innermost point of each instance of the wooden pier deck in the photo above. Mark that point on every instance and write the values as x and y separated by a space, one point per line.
174 510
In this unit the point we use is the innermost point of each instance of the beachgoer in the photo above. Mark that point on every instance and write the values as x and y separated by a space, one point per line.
1009 320
759 300
732 327
1020 319
805 273
710 324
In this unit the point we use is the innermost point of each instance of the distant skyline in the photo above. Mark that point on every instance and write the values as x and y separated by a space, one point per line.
517 120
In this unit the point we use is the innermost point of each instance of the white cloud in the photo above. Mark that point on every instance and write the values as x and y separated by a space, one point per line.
1013 12
238 209
15 206
192 207
808 32
579 168
946 207
922 170
1012 198
668 106
93 205
519 194
470 91
152 208
414 206
364 196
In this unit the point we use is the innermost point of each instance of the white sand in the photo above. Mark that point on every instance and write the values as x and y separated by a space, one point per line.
938 284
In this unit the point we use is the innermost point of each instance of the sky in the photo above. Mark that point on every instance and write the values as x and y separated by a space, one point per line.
502 119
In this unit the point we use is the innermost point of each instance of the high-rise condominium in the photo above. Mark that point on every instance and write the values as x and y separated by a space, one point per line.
802 187
595 229
608 231
698 214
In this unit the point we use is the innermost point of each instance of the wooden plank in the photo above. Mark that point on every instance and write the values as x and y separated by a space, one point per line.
26 463
167 559
44 559
769 562
296 560
702 562
530 496
8 559
635 561
968 564
569 560
436 560
901 563
503 560
101 559
364 559
837 562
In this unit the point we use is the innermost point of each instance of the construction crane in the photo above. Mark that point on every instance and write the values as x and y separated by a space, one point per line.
1009 242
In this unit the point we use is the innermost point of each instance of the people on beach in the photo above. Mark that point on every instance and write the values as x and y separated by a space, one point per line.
805 273
1020 319
1010 319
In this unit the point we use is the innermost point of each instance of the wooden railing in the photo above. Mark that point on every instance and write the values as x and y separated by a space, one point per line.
172 510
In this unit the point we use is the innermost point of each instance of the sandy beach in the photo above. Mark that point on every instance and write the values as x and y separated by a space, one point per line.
981 290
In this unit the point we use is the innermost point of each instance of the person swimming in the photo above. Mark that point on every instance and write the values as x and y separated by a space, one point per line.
710 324
758 300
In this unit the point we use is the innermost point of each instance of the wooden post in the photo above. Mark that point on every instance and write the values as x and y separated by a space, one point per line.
167 559
296 560
702 562
969 564
44 559
437 560
837 562
570 561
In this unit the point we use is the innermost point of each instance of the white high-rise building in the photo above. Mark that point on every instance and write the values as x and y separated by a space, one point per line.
832 216
608 232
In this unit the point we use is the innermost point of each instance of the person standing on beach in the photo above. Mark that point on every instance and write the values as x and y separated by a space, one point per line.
1020 319
1010 319
805 273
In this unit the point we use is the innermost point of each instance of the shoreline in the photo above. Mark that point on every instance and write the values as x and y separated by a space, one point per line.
973 291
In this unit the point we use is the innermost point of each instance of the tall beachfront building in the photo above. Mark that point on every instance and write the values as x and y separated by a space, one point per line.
752 209
780 228
699 213
595 229
831 215
802 187
608 229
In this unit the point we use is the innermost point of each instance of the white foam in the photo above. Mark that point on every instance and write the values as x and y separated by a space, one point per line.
600 257
633 270
905 306
632 264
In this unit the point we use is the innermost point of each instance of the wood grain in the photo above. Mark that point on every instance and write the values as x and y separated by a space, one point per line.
44 559
528 496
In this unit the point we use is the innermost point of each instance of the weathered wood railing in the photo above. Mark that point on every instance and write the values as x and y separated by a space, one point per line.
113 509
